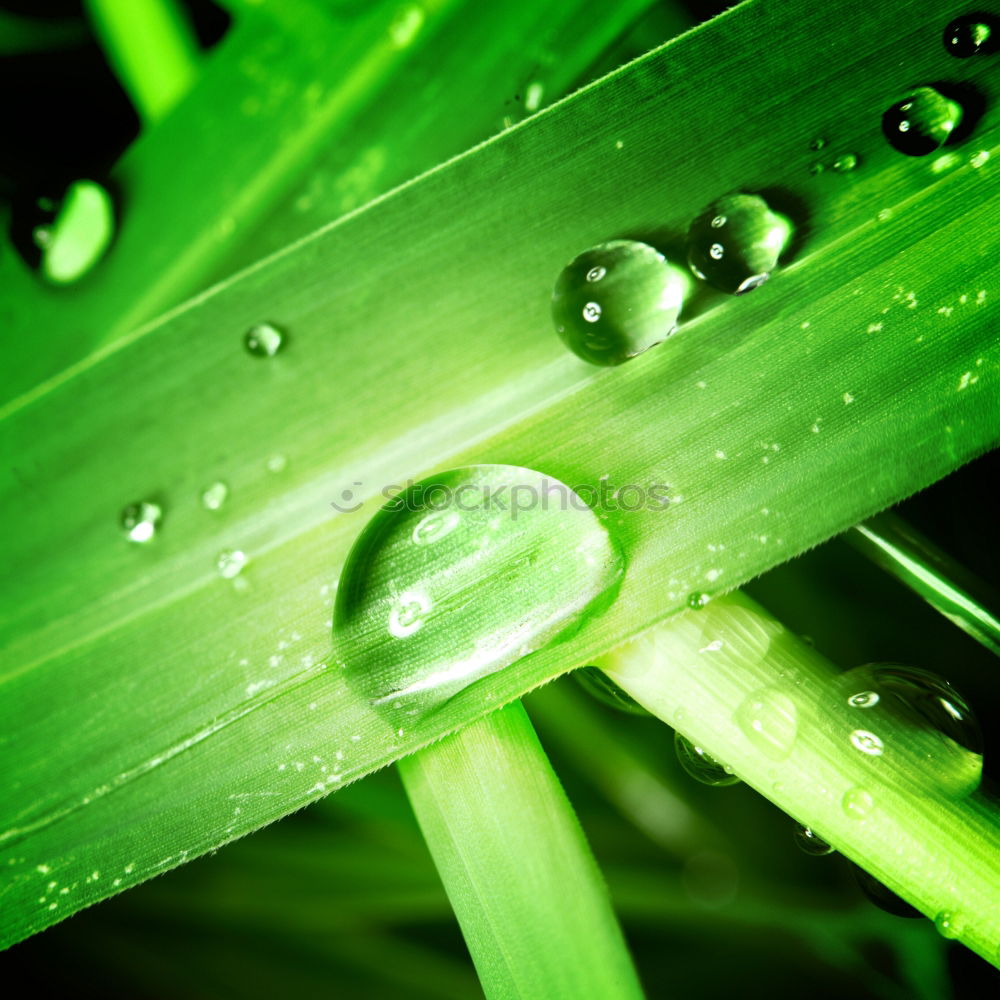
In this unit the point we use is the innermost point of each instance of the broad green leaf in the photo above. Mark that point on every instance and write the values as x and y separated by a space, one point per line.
153 711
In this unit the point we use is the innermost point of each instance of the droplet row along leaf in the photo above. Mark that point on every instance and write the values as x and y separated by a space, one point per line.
152 701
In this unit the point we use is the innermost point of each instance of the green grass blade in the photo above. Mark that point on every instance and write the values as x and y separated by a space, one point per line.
511 854
157 712
893 813
151 48
930 573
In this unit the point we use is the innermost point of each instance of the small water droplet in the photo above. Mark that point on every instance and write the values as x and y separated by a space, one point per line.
863 699
616 300
700 765
214 496
230 562
950 924
597 683
922 122
882 896
816 168
943 740
264 340
140 521
867 742
696 600
971 34
810 842
817 144
845 163
412 623
276 463
979 159
741 255
769 720
857 803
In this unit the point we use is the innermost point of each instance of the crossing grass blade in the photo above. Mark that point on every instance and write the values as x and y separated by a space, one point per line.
153 711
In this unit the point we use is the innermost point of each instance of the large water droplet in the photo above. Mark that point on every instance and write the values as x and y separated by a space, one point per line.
422 614
882 896
935 731
264 340
616 300
141 520
769 720
700 765
810 842
972 34
922 122
739 254
597 683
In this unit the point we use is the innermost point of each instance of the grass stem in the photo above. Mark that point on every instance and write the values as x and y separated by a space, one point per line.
532 904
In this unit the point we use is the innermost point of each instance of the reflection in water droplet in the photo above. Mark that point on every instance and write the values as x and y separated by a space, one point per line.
882 896
616 300
845 163
697 600
214 496
922 122
950 924
417 617
938 735
140 521
971 34
264 340
597 683
739 255
769 720
810 842
230 562
857 803
702 766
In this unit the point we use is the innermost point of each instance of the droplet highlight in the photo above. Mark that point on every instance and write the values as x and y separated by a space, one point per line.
740 254
617 300
416 620
264 340
700 765
846 163
922 122
140 521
